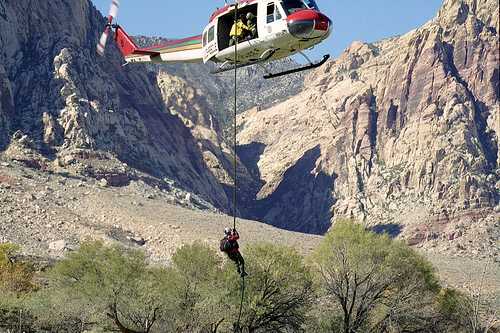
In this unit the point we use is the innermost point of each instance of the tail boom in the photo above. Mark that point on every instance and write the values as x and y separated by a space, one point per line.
174 51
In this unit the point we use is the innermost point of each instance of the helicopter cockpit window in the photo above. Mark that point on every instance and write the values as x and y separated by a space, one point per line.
211 34
270 12
205 38
273 13
291 6
311 4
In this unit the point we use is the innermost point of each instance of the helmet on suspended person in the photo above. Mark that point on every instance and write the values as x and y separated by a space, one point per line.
250 16
227 231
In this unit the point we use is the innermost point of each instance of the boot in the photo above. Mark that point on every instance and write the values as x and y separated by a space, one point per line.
243 273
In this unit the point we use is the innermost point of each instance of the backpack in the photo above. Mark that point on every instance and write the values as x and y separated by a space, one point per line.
225 245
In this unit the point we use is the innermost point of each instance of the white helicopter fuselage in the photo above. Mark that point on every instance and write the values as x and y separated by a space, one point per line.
277 35
281 28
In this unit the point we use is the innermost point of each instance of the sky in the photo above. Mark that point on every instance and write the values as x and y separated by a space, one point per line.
363 20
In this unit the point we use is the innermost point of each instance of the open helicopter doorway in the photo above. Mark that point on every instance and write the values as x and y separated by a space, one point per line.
225 24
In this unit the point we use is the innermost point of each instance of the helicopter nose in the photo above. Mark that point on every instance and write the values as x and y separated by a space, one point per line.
308 23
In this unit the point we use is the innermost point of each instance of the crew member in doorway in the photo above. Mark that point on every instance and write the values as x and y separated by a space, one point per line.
238 31
251 25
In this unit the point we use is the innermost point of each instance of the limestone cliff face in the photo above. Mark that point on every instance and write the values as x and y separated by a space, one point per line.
403 132
86 113
193 106
218 90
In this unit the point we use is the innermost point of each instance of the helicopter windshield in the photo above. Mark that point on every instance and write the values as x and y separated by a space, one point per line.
311 4
291 6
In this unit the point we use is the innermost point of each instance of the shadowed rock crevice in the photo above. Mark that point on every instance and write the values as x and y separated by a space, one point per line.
392 116
393 230
495 82
372 129
6 109
302 200
249 155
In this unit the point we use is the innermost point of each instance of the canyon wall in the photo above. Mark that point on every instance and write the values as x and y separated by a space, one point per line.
401 133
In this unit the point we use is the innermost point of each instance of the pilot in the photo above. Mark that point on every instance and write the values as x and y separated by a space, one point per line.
252 25
238 31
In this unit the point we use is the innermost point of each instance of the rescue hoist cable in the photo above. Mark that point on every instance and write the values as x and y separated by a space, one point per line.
235 183
235 158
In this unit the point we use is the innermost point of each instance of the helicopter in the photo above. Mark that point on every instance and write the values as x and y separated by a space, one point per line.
283 28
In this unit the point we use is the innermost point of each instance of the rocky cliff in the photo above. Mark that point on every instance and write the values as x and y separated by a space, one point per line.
403 133
74 111
63 108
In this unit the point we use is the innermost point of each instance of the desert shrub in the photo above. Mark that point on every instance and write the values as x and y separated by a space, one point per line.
470 311
15 277
356 281
16 285
278 291
106 286
114 288
200 294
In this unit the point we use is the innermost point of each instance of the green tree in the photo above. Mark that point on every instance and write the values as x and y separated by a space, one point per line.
201 294
278 291
374 284
112 285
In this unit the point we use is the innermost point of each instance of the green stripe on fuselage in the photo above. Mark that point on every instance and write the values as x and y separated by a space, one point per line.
172 46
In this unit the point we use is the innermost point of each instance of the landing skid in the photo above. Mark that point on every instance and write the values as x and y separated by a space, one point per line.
300 69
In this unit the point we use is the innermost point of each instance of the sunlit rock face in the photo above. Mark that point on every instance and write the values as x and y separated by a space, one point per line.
403 132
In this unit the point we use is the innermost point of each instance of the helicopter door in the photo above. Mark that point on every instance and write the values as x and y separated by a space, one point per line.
210 48
271 18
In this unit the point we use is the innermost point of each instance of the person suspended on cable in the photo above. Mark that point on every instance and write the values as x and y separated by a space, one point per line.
229 244
238 31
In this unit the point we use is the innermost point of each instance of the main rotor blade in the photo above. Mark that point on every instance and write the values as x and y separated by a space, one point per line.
113 10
